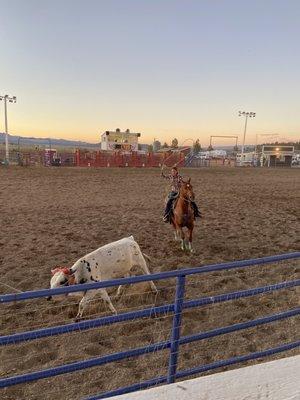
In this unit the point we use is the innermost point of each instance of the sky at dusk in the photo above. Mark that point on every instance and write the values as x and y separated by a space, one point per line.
164 68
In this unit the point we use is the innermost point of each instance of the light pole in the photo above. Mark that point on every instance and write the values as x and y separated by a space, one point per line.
245 114
12 99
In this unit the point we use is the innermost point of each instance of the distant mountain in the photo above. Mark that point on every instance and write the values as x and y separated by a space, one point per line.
46 142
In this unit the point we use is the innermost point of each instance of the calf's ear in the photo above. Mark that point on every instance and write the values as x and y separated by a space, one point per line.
67 271
53 271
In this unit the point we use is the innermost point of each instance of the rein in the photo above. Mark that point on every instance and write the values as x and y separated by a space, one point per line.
185 199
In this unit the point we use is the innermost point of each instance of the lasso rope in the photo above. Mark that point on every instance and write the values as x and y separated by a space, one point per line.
11 287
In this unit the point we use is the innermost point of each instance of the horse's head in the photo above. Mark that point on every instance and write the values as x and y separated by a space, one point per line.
186 190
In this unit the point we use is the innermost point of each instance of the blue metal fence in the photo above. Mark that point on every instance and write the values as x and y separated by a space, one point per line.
175 339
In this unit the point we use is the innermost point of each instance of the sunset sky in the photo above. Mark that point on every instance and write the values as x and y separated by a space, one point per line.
164 68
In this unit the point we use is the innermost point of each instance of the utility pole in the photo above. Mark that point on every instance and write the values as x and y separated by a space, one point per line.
12 99
245 114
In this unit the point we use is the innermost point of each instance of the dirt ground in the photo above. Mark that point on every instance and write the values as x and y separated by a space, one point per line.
54 216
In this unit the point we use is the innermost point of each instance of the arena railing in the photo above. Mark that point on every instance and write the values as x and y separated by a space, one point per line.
173 344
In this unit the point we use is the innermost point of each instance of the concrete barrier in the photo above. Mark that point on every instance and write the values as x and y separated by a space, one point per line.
275 380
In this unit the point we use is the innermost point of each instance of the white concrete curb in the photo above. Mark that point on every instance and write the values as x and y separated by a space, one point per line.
275 380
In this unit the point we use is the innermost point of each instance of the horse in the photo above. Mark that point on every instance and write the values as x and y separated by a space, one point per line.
183 215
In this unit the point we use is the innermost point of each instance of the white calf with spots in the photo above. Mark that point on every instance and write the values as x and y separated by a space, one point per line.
112 261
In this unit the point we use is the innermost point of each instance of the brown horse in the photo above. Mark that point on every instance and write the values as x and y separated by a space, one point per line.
183 215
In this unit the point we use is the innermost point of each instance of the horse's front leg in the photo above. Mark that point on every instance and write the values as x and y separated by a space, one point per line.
182 235
175 231
190 233
177 234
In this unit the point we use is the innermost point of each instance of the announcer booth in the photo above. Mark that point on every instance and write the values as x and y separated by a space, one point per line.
277 156
116 140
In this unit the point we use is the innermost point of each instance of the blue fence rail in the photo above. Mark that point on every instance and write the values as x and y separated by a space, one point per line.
175 339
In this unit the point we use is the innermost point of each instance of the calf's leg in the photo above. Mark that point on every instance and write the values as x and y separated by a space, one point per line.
88 297
121 288
145 269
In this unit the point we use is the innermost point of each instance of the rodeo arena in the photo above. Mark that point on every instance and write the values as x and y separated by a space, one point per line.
103 296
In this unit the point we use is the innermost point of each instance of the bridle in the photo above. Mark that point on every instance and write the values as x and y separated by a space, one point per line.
186 199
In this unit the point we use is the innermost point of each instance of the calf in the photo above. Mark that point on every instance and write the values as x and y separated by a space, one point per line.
112 261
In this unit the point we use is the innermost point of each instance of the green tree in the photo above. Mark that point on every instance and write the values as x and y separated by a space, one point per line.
197 147
156 145
174 143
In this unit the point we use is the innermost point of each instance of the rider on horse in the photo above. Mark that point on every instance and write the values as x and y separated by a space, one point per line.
175 180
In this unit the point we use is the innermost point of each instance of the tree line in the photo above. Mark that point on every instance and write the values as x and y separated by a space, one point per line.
174 145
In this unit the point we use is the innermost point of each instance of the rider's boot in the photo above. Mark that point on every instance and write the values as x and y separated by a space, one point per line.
166 218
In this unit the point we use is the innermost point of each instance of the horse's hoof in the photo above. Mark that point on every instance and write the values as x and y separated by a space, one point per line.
190 248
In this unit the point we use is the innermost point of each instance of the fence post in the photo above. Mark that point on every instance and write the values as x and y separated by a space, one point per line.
175 334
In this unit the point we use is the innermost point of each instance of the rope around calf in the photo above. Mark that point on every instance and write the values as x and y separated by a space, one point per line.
11 287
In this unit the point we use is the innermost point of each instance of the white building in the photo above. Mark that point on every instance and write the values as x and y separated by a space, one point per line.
218 153
276 155
244 159
269 156
117 140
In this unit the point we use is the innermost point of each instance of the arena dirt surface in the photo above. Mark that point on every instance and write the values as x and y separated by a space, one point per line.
54 216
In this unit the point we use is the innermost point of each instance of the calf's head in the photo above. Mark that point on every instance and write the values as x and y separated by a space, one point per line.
61 276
